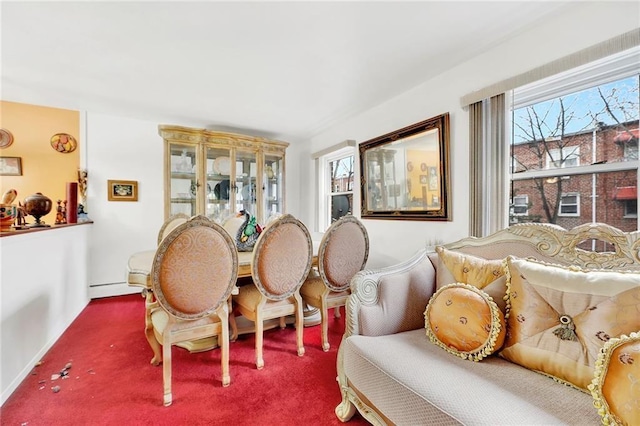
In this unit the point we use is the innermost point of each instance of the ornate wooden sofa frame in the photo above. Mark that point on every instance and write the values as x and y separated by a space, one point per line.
389 304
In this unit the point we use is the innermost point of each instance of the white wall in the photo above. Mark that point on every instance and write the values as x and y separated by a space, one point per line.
126 149
581 26
131 149
43 283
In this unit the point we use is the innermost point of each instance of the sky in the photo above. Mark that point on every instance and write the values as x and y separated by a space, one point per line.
582 109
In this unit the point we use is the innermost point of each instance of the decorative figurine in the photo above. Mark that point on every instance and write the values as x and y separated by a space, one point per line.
59 214
82 215
82 185
21 214
248 232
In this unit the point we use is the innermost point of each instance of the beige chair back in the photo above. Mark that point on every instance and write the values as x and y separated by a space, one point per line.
170 224
194 269
343 251
282 258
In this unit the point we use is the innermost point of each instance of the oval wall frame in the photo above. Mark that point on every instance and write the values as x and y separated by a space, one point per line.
6 138
63 142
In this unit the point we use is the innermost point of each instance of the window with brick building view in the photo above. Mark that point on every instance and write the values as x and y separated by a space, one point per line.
341 195
574 158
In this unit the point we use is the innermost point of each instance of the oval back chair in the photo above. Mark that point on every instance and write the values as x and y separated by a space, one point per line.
281 262
170 224
194 271
343 252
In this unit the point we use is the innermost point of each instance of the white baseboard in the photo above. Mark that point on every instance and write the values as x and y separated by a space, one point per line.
114 289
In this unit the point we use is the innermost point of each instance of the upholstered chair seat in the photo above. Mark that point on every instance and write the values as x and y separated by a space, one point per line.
343 252
316 289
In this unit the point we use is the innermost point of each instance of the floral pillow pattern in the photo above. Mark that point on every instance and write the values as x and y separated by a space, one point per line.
487 275
561 317
616 384
465 321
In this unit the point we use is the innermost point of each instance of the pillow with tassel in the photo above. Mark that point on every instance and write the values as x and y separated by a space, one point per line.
560 317
465 321
616 383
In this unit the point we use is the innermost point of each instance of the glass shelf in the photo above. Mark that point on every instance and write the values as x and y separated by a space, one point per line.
182 175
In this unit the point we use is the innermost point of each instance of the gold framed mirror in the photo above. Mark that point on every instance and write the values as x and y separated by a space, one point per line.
405 173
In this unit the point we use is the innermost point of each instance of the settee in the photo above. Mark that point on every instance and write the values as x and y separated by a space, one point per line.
393 370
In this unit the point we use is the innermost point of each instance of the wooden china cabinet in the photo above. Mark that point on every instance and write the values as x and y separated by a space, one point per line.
218 174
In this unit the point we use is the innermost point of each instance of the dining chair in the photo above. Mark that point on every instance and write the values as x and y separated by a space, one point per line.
281 260
193 274
170 224
343 251
139 270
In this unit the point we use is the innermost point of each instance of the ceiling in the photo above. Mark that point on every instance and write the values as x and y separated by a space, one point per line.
285 70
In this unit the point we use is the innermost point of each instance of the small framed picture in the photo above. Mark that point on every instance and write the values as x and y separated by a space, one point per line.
122 190
433 179
424 179
10 166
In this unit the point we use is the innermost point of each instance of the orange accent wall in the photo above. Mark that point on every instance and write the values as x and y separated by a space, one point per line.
419 189
43 169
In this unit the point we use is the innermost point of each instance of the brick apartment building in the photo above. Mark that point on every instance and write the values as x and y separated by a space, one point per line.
606 193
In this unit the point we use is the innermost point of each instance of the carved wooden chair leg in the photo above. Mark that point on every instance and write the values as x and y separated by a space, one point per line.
336 312
224 345
259 339
324 323
166 369
299 324
151 338
232 322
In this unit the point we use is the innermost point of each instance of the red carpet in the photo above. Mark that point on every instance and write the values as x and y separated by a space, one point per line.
112 382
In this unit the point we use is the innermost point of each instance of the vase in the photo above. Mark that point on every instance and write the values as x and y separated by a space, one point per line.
7 216
37 205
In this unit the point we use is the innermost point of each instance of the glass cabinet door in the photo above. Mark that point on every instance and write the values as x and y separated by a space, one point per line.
218 190
183 179
246 181
273 185
218 174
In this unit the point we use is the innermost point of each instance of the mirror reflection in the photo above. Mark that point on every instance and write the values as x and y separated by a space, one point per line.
404 174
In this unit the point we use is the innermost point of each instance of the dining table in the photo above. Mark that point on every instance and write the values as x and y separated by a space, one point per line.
139 275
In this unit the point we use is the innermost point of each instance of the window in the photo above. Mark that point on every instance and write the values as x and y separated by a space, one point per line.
520 205
630 208
563 157
341 195
631 149
336 179
569 205
574 146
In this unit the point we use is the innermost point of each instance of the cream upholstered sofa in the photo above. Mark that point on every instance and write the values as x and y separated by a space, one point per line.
392 372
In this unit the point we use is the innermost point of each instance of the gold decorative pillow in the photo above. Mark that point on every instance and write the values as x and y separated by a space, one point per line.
560 317
616 384
465 321
487 275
